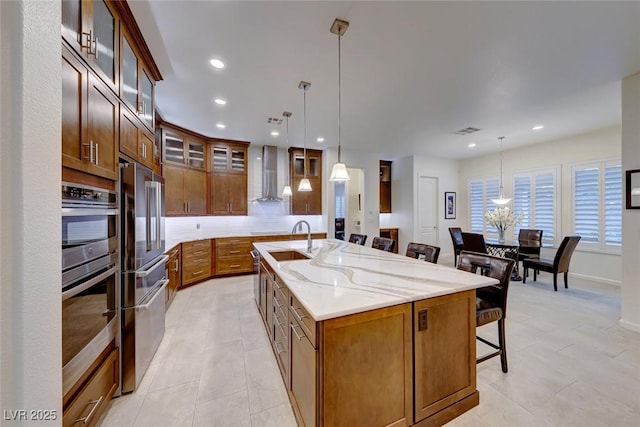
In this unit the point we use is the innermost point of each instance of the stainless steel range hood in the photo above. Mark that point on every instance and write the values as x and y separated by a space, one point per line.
269 174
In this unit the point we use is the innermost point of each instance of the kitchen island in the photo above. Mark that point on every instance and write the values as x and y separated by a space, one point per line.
364 337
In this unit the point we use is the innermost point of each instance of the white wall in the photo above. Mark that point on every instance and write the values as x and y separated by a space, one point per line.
563 153
30 233
631 217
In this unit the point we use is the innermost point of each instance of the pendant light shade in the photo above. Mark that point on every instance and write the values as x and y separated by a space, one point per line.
339 170
502 199
304 185
286 191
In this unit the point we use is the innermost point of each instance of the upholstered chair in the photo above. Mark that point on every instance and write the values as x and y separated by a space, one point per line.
559 264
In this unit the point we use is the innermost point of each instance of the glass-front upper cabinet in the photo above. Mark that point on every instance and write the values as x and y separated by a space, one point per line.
91 28
146 89
183 149
228 157
129 76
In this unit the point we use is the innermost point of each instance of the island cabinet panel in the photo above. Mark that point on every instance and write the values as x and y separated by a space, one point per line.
304 374
357 352
445 352
174 274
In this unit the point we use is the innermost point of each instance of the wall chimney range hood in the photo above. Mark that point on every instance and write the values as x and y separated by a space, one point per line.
269 174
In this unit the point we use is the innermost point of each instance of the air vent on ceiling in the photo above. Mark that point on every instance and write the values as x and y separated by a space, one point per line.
465 131
274 120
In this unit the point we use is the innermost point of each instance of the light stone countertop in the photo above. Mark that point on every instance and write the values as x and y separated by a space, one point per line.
344 278
172 241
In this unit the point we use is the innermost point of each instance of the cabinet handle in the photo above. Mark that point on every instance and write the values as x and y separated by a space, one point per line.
234 252
234 266
175 267
276 303
95 150
95 47
198 252
188 206
278 322
90 146
91 43
95 404
293 328
299 316
195 273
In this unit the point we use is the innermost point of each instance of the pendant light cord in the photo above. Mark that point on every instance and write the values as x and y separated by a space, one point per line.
339 98
304 161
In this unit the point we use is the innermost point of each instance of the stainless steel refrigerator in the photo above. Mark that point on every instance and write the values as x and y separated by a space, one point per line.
144 276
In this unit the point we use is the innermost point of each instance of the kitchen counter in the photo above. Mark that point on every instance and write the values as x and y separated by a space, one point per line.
170 242
344 278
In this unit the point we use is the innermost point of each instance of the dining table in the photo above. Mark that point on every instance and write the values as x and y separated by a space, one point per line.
510 249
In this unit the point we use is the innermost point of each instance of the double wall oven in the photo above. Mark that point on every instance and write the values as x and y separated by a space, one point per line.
90 277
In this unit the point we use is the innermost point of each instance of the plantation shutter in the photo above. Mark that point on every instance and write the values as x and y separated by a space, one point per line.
545 206
613 205
587 203
522 201
477 206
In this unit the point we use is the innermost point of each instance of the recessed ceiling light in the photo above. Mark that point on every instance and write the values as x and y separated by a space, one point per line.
275 133
320 139
537 127
472 145
216 63
221 125
220 101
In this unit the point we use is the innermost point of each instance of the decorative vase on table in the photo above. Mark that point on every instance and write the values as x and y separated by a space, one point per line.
500 235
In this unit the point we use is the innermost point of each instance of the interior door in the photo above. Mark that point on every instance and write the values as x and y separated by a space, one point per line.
428 210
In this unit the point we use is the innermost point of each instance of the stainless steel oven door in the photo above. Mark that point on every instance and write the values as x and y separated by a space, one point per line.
89 322
87 234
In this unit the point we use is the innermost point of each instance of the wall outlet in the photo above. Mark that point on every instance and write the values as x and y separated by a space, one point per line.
198 226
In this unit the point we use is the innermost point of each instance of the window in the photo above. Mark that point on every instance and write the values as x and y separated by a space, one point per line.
535 199
481 191
597 204
341 207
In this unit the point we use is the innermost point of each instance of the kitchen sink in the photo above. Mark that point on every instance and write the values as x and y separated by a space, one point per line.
288 255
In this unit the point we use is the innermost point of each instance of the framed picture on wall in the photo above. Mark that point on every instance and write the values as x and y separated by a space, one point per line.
449 205
633 189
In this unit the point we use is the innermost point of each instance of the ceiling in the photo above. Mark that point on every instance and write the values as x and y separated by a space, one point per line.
412 72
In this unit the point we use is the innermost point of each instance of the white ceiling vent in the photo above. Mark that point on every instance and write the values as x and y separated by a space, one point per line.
465 131
274 120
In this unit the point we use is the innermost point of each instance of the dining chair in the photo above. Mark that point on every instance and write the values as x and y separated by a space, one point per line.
473 242
383 244
456 239
530 242
415 250
491 301
360 239
559 264
431 254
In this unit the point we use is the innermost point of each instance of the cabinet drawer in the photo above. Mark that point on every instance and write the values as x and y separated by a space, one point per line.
195 272
230 265
304 319
281 348
281 296
94 398
233 250
241 244
188 261
199 247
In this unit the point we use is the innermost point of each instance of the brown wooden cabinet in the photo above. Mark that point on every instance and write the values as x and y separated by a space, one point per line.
306 202
174 274
233 255
92 29
228 177
183 149
93 398
423 372
90 114
136 85
185 191
135 140
385 186
196 261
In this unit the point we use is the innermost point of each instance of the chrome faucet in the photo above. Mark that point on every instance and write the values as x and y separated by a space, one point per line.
299 223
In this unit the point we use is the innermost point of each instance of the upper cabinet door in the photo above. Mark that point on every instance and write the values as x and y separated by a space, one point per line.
129 76
228 157
91 28
173 147
145 109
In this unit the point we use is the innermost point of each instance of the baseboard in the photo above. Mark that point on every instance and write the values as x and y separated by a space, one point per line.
630 326
596 279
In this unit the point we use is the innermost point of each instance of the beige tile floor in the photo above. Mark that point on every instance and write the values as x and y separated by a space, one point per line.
570 363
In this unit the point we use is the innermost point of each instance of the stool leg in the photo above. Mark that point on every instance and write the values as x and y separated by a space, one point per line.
503 347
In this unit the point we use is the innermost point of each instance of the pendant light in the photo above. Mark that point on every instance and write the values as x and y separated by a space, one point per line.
286 191
339 171
501 200
304 185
